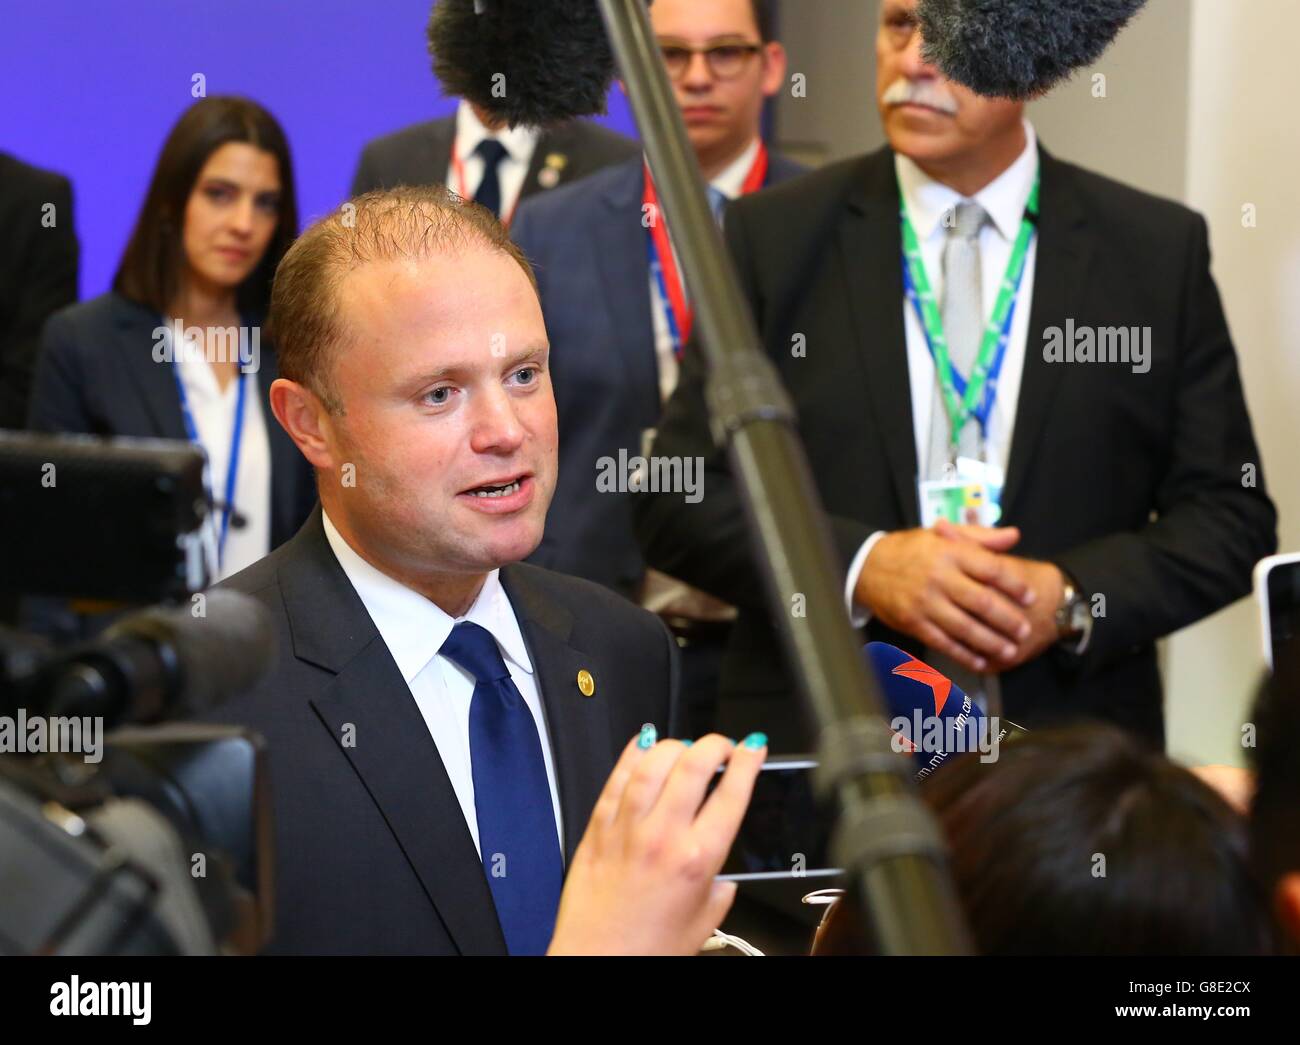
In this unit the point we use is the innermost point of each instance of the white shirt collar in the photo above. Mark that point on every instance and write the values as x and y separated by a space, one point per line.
1004 198
470 133
412 627
731 180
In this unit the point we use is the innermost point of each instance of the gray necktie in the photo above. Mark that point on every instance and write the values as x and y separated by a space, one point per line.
962 309
718 204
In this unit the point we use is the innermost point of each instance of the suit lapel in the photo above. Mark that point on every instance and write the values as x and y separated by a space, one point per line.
439 156
154 382
401 768
1059 274
625 269
559 142
393 753
578 725
546 144
871 250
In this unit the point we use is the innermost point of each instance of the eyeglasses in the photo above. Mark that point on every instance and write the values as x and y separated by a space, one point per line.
725 61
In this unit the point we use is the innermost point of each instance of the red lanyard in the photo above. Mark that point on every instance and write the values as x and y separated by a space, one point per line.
681 310
462 184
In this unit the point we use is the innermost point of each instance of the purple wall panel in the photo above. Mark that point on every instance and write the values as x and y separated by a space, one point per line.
90 89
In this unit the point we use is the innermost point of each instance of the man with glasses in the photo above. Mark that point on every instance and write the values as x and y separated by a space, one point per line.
619 315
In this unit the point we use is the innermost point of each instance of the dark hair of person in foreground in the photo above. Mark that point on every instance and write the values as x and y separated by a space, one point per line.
1081 841
1275 809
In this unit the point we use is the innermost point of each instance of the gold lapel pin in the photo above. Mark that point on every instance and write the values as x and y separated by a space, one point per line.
549 176
586 683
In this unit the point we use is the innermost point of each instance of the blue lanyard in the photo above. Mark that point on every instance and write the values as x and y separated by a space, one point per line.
236 437
661 285
984 410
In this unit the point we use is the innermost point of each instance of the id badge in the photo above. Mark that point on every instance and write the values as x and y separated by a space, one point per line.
969 497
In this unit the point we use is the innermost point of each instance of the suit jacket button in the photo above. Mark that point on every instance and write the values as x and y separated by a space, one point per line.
586 683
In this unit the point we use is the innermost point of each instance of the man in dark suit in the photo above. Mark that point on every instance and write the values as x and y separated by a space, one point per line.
442 717
38 273
1125 467
616 338
482 159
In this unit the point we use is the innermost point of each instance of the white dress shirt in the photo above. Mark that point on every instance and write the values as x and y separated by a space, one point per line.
213 411
519 142
414 629
927 201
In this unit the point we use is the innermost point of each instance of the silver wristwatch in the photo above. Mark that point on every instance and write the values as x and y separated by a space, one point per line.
1073 618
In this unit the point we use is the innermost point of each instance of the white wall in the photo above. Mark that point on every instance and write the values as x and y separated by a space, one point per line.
1243 148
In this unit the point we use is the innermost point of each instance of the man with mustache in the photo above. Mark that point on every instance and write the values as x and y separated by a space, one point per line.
1016 386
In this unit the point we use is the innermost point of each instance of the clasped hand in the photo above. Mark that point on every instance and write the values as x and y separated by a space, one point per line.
958 590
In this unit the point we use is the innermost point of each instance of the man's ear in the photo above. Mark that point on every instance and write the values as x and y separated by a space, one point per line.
302 414
1286 904
776 63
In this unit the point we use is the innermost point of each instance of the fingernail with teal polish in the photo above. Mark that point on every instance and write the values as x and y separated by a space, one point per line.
688 743
756 741
648 737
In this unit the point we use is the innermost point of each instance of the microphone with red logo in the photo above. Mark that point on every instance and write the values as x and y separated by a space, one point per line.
931 717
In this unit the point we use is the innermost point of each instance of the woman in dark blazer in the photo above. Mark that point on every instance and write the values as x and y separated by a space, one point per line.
176 350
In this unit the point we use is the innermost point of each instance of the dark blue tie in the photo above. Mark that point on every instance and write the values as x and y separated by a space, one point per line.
489 189
512 797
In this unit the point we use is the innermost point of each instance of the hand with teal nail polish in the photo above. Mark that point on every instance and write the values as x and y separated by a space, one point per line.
643 879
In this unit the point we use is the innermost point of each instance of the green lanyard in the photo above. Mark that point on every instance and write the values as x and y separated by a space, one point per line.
976 401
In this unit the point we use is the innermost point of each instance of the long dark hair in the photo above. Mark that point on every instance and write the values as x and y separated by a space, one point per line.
151 266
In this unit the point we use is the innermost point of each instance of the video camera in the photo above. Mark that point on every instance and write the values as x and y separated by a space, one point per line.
123 832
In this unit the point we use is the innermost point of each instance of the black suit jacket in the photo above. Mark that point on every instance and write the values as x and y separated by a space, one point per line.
593 273
420 155
1135 484
372 852
38 274
97 375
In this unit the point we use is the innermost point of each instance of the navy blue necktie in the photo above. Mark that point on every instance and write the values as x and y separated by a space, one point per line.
489 189
512 797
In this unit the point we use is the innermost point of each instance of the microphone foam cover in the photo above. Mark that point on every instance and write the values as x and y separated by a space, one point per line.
531 62
1018 48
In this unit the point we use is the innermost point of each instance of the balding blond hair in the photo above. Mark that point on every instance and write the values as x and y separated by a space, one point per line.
407 222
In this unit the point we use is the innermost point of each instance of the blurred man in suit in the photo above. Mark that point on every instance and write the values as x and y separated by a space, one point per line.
618 314
1104 417
38 273
482 159
442 718
38 276
479 158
